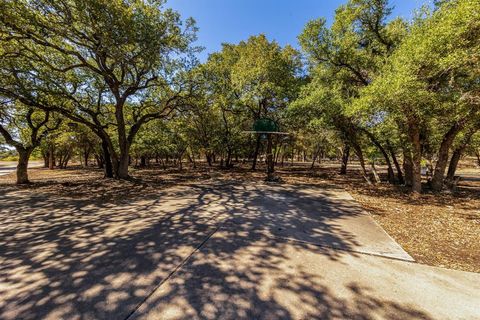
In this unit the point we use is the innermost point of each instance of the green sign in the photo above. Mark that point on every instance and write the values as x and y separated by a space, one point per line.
265 125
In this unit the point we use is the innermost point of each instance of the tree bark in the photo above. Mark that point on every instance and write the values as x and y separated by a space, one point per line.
345 157
408 168
416 159
51 157
22 166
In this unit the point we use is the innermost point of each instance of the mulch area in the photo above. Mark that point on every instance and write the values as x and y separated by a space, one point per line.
438 229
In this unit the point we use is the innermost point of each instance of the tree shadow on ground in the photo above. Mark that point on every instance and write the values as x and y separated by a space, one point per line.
91 258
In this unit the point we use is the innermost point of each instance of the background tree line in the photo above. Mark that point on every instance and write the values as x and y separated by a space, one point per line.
117 81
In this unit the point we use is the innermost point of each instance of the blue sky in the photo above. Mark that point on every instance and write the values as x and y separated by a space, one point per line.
282 20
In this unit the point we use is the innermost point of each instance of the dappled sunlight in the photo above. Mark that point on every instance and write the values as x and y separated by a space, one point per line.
194 251
69 254
244 278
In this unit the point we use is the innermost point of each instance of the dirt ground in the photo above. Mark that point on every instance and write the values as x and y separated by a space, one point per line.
435 229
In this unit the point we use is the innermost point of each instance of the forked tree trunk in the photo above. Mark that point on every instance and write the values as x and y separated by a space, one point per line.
314 157
390 175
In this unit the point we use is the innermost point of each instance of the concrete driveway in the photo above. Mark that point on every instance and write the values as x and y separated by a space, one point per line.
215 251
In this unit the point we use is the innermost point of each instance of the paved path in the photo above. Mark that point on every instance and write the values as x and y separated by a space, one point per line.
230 251
7 167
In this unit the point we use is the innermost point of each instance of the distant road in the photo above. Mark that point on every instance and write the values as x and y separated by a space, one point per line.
7 167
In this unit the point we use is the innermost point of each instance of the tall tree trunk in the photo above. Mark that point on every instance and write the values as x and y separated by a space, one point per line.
255 154
395 162
441 165
22 166
477 154
345 157
416 159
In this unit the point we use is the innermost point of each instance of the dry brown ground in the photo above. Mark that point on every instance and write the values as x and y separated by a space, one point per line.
436 229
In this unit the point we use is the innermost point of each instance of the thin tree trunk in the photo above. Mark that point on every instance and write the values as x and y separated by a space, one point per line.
359 153
315 156
375 173
270 163
255 154
457 154
391 175
395 162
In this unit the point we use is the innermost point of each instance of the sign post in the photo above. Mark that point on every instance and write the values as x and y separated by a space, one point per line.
266 128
